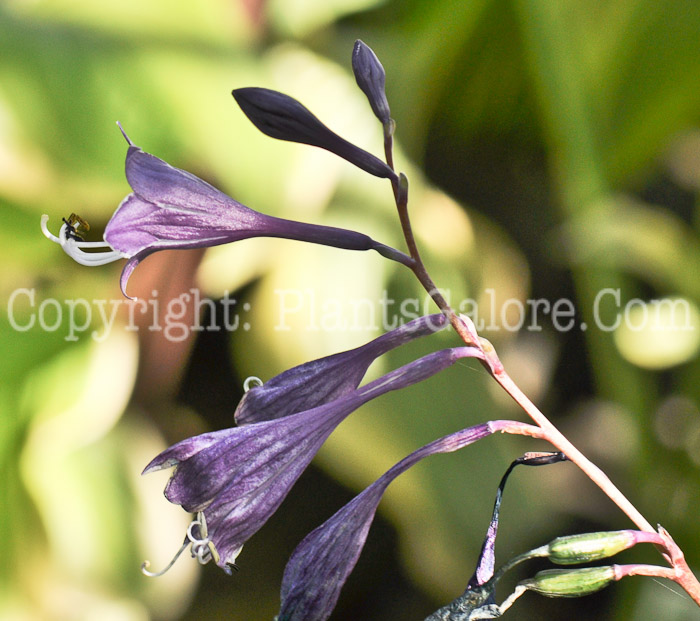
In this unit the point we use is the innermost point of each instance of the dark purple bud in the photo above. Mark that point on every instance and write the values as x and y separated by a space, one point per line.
280 116
478 600
321 563
320 381
371 78
235 479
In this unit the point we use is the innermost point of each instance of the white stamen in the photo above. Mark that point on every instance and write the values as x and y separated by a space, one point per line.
201 547
251 382
73 247
45 229
154 574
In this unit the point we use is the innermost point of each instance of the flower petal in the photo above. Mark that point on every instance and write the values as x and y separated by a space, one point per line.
138 225
171 208
157 182
184 450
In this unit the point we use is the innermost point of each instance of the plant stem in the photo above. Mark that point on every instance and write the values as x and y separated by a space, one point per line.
682 574
496 368
389 143
573 454
418 267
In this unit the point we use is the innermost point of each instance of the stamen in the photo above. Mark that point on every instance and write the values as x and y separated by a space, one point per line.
78 222
201 547
71 232
73 247
46 232
251 382
154 574
75 227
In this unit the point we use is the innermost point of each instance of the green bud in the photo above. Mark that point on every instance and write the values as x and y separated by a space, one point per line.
588 547
570 582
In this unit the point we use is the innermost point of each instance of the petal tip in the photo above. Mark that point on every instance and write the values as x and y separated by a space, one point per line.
121 129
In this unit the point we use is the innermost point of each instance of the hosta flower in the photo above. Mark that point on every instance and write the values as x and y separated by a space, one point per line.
235 479
321 563
170 208
313 383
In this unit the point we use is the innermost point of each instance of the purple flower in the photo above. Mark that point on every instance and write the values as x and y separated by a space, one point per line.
321 563
320 381
235 479
170 208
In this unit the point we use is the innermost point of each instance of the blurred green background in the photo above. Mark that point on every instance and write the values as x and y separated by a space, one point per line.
553 151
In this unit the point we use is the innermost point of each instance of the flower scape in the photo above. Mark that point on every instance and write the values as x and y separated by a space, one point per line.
233 480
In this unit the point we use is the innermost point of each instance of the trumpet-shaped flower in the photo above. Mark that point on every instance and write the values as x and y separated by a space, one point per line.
321 563
170 208
313 383
237 478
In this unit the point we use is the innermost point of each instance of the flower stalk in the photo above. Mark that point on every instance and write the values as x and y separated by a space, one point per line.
466 330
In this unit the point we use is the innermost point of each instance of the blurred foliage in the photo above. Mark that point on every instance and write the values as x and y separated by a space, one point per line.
560 156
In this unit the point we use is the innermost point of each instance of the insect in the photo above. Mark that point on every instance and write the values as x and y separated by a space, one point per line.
76 227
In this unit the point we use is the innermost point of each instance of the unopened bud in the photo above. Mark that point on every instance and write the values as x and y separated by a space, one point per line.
280 116
574 549
370 77
570 582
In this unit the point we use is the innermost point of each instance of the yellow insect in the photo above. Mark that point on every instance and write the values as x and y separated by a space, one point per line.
76 227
